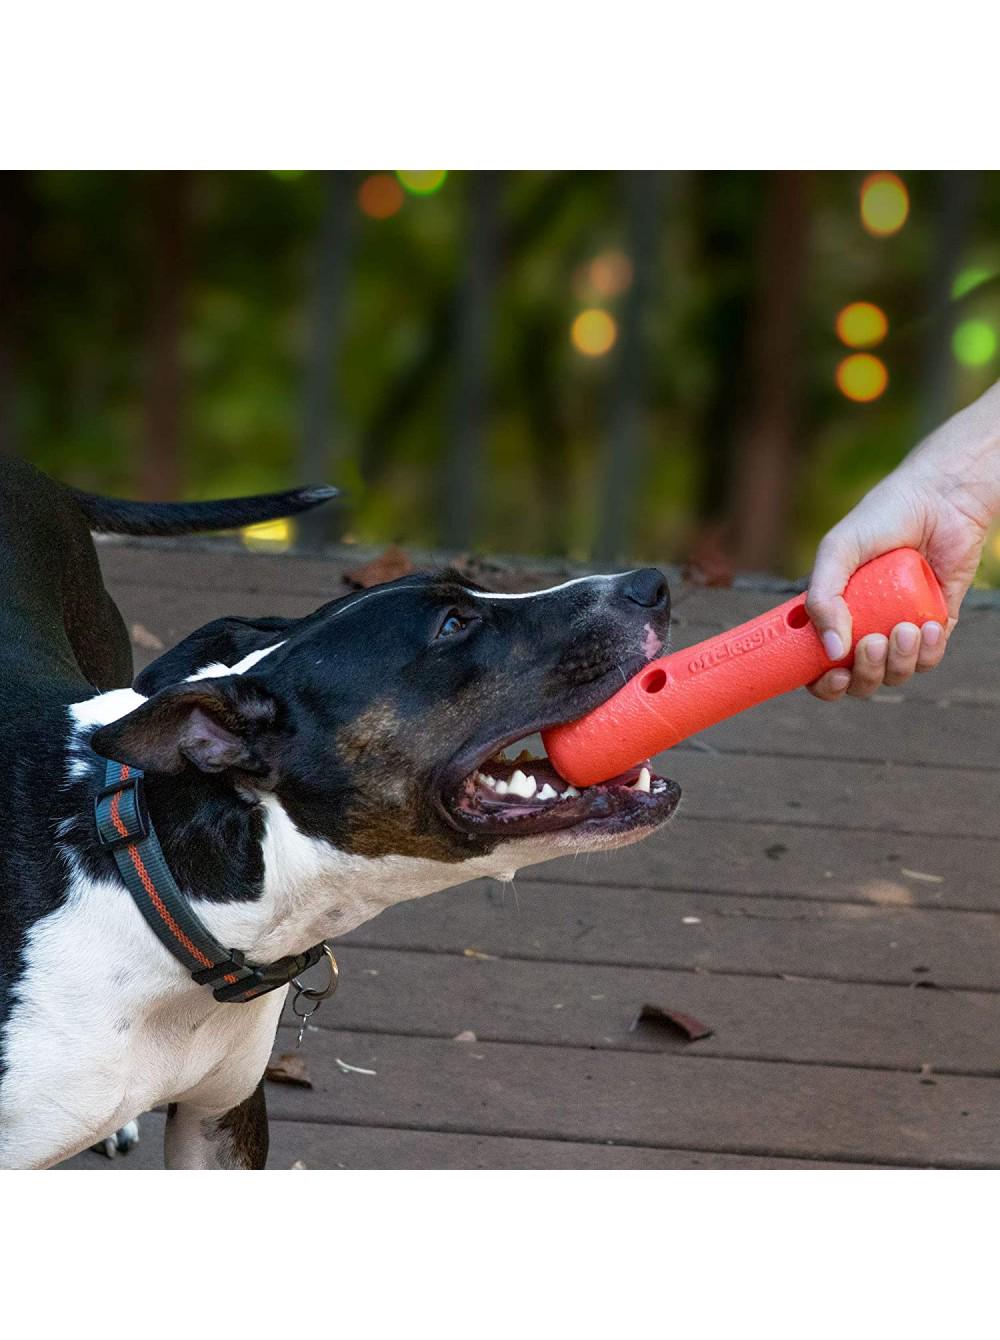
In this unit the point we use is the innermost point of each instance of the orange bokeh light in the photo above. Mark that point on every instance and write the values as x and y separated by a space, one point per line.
380 196
594 332
861 324
862 377
885 204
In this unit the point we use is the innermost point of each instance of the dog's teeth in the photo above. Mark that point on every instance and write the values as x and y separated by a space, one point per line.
570 793
644 779
546 793
490 781
500 788
520 785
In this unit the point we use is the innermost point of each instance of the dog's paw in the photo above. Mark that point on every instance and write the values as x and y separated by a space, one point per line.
121 1142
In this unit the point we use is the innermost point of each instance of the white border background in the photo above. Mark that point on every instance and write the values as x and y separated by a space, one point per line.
301 84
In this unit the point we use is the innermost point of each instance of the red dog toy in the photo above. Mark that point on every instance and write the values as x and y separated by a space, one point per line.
681 694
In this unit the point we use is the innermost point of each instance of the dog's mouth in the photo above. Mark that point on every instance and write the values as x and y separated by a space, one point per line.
522 795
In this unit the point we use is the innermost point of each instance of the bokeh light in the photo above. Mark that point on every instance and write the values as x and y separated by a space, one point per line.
271 535
862 377
861 324
380 196
885 203
969 278
593 332
974 343
422 183
610 273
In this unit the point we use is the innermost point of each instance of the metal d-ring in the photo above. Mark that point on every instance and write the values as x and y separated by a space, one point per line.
311 992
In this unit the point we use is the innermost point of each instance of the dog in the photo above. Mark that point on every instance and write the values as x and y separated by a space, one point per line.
298 776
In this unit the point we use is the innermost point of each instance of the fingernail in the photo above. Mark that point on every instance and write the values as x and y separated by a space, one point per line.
931 634
876 648
832 645
907 637
839 680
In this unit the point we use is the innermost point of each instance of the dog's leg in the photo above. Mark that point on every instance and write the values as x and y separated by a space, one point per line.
119 1143
196 1138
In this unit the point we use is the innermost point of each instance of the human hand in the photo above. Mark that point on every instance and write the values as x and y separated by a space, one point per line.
940 501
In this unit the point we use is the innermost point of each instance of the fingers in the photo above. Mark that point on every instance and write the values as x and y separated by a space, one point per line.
932 644
836 560
882 660
831 686
870 658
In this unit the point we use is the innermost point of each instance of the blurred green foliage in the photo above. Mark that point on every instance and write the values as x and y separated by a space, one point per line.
81 292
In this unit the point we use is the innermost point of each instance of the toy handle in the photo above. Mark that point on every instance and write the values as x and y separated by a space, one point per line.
679 695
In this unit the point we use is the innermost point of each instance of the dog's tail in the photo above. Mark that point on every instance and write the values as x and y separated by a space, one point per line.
142 518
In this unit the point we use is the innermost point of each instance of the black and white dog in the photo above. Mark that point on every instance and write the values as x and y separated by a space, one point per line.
301 775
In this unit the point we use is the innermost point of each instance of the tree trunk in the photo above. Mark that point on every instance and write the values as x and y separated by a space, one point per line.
461 477
160 471
957 196
624 443
765 456
321 432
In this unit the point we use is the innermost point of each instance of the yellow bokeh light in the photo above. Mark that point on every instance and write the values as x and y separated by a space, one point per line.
885 203
380 196
593 332
422 183
861 324
862 377
269 534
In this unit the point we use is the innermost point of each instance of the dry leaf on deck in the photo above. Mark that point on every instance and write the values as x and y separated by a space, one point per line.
289 1068
390 564
691 1029
142 637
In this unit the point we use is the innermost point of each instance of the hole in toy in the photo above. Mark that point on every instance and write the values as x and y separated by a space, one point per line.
797 616
654 681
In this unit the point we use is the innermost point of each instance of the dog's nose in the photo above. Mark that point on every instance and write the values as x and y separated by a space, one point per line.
646 587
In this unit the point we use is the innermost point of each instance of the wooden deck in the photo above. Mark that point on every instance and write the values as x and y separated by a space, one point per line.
827 902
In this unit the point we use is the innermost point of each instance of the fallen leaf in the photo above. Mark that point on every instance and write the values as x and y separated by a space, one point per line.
709 563
390 564
353 1069
142 637
478 953
693 1030
289 1068
775 850
466 1035
926 1071
922 876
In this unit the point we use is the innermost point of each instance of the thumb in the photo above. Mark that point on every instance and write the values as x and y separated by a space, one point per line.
836 560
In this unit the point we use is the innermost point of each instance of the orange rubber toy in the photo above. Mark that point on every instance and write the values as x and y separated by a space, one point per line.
679 695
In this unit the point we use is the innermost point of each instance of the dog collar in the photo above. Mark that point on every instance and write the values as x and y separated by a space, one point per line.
125 829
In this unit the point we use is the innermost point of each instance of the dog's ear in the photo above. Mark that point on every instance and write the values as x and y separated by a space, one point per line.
223 641
218 725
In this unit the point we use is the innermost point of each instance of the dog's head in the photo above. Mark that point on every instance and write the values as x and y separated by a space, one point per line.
382 723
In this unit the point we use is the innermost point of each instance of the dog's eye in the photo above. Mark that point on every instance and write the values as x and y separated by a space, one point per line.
453 623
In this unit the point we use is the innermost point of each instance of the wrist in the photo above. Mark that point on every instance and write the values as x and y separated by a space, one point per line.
961 460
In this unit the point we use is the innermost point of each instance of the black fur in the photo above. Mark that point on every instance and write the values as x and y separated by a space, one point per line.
62 638
123 517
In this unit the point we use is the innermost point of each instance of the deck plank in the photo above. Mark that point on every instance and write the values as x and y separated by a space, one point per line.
587 1005
329 1145
700 932
723 855
702 1103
